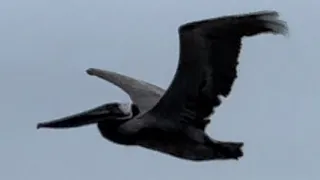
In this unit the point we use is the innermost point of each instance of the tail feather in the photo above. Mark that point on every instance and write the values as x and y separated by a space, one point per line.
228 150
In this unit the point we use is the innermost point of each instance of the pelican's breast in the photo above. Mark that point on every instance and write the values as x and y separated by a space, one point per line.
176 144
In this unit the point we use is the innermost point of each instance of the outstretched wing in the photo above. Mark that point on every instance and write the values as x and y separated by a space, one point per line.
143 94
209 51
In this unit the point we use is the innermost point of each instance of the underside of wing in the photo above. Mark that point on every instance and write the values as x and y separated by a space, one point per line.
143 94
209 51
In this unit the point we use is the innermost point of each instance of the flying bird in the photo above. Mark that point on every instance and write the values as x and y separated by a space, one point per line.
174 121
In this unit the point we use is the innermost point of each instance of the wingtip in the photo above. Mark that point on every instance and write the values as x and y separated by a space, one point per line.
273 23
279 27
265 13
90 71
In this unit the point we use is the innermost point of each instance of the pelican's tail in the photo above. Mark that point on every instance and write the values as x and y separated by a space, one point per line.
227 150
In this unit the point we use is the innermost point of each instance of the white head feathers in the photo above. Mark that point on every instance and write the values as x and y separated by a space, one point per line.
125 108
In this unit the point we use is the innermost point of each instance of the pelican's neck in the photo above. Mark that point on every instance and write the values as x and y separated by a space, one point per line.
109 128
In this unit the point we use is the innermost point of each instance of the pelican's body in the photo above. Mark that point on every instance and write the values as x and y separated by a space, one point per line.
174 121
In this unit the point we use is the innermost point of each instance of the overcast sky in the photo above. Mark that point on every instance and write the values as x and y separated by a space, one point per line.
46 46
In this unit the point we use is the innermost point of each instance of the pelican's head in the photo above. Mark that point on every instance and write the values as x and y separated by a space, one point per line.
115 112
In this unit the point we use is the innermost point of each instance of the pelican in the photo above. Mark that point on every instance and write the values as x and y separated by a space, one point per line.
174 121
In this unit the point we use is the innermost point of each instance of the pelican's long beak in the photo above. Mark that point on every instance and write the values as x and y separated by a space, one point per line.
91 116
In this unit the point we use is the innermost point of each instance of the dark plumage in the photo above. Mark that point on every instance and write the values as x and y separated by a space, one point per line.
174 121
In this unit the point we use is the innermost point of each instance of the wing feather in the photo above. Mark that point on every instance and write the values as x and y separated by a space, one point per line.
143 94
209 51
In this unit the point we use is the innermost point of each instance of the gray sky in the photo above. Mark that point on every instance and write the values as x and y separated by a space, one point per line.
46 46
